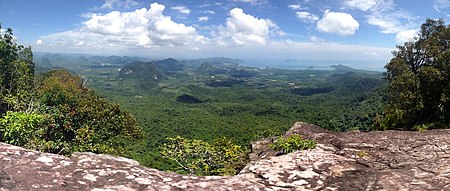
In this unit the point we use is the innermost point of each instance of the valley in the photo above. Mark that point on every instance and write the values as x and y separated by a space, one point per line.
212 98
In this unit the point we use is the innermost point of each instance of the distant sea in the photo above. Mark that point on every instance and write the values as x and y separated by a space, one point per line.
311 64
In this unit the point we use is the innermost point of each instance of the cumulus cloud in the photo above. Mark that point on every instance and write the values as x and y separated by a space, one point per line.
342 24
242 28
112 4
202 19
405 36
182 9
306 16
39 42
144 27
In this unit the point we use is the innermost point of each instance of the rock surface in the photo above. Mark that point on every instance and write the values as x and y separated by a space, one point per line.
389 160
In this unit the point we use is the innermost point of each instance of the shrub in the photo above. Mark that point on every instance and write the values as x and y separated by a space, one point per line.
201 158
76 119
292 143
18 127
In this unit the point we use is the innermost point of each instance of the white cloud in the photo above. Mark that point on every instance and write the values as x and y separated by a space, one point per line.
201 19
405 36
295 7
442 6
148 32
79 43
371 53
288 42
246 1
253 2
108 4
386 15
363 5
208 12
391 22
342 24
116 30
306 16
242 28
182 9
112 4
39 42
387 26
316 39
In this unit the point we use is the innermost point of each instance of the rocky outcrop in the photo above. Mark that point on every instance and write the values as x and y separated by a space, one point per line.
388 160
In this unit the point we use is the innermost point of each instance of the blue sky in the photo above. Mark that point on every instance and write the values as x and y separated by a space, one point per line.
364 31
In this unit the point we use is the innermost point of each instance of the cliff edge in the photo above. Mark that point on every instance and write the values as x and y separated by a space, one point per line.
387 160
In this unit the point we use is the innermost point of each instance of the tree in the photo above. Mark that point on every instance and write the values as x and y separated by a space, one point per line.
16 78
419 77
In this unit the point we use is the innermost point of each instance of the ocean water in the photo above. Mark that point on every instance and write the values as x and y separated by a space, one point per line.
312 64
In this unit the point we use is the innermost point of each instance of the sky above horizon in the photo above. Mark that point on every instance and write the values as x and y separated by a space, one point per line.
328 30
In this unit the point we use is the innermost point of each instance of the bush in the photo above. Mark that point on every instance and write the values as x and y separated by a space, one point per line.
201 158
292 143
76 119
18 127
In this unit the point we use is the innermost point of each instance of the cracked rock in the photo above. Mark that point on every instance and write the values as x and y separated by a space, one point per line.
387 160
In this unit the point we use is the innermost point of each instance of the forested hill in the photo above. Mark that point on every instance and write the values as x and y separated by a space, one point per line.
210 102
169 65
218 101
142 71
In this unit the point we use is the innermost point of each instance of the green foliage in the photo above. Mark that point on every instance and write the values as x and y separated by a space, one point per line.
17 74
362 154
18 127
201 158
78 120
292 143
419 76
243 113
247 104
